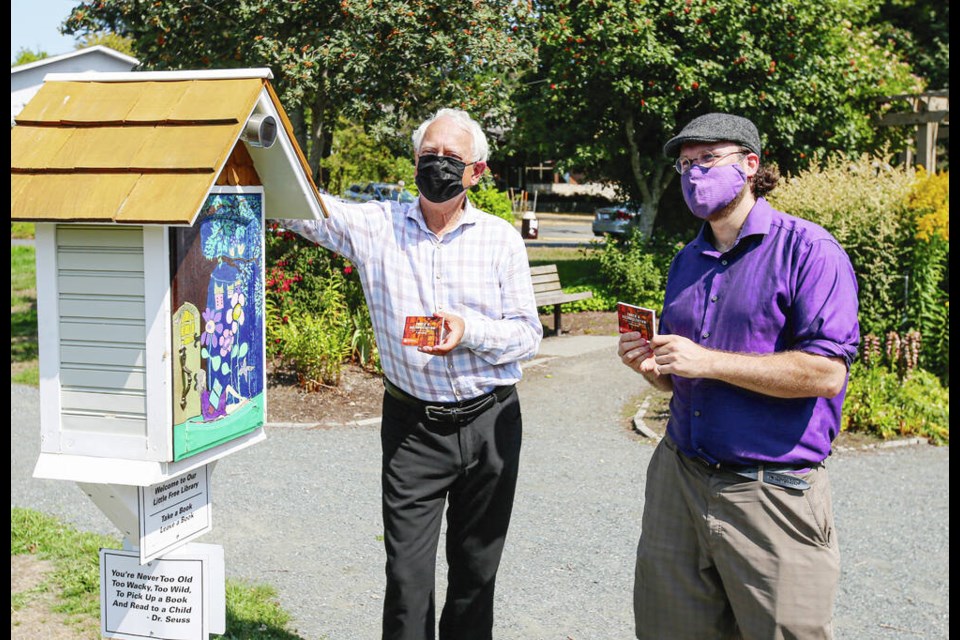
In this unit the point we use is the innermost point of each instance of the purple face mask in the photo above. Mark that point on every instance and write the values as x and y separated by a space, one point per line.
706 191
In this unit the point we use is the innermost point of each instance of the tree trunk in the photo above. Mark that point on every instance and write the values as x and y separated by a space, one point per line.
298 122
319 140
650 185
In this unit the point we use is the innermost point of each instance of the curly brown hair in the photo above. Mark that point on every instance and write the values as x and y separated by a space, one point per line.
765 180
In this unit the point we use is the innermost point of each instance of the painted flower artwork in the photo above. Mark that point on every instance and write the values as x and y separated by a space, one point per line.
221 266
212 327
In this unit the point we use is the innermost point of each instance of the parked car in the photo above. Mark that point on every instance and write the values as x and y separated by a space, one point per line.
616 219
378 191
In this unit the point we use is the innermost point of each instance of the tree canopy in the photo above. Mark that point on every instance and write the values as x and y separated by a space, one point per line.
598 86
616 79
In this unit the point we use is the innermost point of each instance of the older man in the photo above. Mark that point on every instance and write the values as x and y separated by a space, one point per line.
451 426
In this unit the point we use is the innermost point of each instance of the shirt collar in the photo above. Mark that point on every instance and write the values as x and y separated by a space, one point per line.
757 223
471 215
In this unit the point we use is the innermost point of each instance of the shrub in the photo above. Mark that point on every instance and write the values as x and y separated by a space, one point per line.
631 270
878 401
317 318
890 396
315 349
487 197
928 205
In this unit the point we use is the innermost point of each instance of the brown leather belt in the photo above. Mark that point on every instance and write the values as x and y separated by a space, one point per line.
451 412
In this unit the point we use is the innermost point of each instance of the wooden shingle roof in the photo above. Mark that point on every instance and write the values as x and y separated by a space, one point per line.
146 147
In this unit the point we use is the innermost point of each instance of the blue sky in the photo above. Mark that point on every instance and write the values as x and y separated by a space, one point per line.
34 23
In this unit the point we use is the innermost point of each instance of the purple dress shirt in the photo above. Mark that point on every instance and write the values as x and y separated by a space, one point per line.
785 285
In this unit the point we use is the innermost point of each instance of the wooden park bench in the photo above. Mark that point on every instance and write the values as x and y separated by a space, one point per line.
547 290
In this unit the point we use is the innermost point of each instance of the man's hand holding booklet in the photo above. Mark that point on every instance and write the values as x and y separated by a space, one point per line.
422 331
634 318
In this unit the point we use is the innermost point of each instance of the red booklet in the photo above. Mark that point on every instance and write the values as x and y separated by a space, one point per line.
422 331
634 318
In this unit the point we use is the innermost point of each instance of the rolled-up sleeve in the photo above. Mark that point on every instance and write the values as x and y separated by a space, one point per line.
826 309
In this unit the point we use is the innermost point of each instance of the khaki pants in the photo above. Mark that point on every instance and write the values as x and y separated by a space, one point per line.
721 556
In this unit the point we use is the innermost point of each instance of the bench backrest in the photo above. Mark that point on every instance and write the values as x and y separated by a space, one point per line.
545 279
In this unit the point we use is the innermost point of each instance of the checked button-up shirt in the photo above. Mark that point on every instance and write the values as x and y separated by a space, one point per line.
479 271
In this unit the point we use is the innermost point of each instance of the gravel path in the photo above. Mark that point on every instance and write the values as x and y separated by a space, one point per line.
301 511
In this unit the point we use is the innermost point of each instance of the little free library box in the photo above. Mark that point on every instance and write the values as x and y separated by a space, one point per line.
149 192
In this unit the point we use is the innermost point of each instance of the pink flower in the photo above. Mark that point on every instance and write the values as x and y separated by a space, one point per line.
226 342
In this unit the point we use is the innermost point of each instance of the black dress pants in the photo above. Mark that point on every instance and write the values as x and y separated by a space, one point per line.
472 467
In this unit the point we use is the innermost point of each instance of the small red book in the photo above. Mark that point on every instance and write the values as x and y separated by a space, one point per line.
634 318
422 331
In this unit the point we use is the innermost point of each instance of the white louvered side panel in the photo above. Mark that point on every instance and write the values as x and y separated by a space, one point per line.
102 329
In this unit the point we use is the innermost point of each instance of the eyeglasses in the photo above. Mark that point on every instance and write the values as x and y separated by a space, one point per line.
707 160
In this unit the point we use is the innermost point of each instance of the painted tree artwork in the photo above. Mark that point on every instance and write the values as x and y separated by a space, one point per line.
218 323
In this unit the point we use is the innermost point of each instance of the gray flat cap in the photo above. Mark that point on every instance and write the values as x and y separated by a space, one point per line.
715 127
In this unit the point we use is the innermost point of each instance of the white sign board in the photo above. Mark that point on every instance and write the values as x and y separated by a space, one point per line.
181 596
174 512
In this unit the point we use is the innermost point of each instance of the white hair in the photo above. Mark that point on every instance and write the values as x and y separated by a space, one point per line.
480 147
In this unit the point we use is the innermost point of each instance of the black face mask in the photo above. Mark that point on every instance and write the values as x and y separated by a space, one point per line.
440 178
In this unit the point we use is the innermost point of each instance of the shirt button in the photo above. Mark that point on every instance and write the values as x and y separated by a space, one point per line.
697 413
438 276
705 334
723 262
713 298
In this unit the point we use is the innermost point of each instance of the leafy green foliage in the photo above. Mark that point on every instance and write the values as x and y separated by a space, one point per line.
26 56
616 79
315 348
358 158
317 318
929 311
23 304
631 271
920 29
600 301
486 197
880 402
112 40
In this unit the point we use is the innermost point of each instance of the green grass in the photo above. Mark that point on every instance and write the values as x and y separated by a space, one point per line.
75 556
22 230
575 265
253 612
23 315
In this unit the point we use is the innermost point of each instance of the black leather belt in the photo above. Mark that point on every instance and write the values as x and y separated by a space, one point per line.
451 412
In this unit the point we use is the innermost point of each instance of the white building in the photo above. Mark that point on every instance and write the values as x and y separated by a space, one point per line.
26 79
